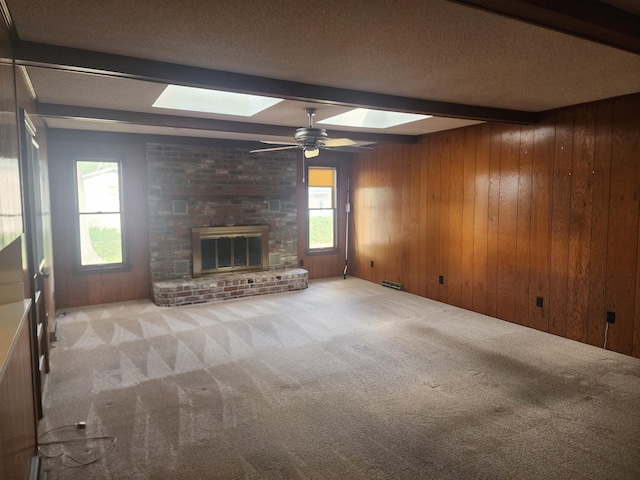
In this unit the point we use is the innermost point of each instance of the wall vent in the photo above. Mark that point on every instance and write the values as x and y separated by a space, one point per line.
181 267
390 284
180 207
274 205
274 259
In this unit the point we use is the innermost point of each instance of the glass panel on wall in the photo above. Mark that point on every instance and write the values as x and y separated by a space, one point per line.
255 251
240 252
208 251
224 252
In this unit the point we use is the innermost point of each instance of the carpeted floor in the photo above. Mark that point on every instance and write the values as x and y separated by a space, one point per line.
345 380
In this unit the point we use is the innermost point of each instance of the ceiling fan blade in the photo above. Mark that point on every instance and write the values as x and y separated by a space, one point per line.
268 142
353 149
288 147
339 142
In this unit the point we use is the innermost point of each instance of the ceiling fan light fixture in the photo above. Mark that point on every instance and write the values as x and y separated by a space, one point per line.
311 152
310 140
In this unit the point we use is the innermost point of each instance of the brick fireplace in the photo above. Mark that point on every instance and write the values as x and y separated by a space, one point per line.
195 187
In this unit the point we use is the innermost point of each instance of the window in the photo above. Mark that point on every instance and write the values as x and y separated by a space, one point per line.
322 208
99 203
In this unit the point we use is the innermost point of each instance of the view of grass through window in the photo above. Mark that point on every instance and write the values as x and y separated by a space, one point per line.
106 242
321 230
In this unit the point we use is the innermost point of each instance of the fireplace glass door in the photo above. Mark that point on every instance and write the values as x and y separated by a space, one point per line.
230 249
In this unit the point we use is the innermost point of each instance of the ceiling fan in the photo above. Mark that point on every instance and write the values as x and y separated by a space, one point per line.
310 139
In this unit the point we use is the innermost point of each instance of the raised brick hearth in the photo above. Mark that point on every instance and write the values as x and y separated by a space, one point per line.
170 293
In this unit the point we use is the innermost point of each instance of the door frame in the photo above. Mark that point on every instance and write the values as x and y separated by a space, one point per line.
34 236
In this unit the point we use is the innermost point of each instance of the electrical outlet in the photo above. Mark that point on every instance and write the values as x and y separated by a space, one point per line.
539 302
611 317
371 263
302 263
441 279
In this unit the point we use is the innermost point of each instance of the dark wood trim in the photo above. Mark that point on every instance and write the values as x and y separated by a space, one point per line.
70 135
194 123
589 19
99 63
324 251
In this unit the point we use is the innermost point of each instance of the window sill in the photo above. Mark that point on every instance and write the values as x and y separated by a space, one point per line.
325 251
92 269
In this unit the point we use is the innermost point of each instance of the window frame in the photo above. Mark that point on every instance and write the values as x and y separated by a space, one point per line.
336 212
125 264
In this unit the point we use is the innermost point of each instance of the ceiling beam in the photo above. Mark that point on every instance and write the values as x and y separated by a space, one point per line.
98 63
48 110
588 19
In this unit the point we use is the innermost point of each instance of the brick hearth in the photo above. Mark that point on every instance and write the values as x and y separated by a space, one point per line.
170 293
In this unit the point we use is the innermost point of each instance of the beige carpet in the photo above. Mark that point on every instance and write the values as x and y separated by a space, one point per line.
345 380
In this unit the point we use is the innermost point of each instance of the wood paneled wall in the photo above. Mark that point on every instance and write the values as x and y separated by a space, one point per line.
17 412
75 288
508 213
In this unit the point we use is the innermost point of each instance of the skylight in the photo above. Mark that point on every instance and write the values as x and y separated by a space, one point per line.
366 118
213 101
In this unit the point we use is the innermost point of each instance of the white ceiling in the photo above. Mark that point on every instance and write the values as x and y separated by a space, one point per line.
435 50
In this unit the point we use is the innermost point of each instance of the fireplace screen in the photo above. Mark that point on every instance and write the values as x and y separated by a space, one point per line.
230 249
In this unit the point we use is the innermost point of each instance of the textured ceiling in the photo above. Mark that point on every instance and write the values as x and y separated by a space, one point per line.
435 50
